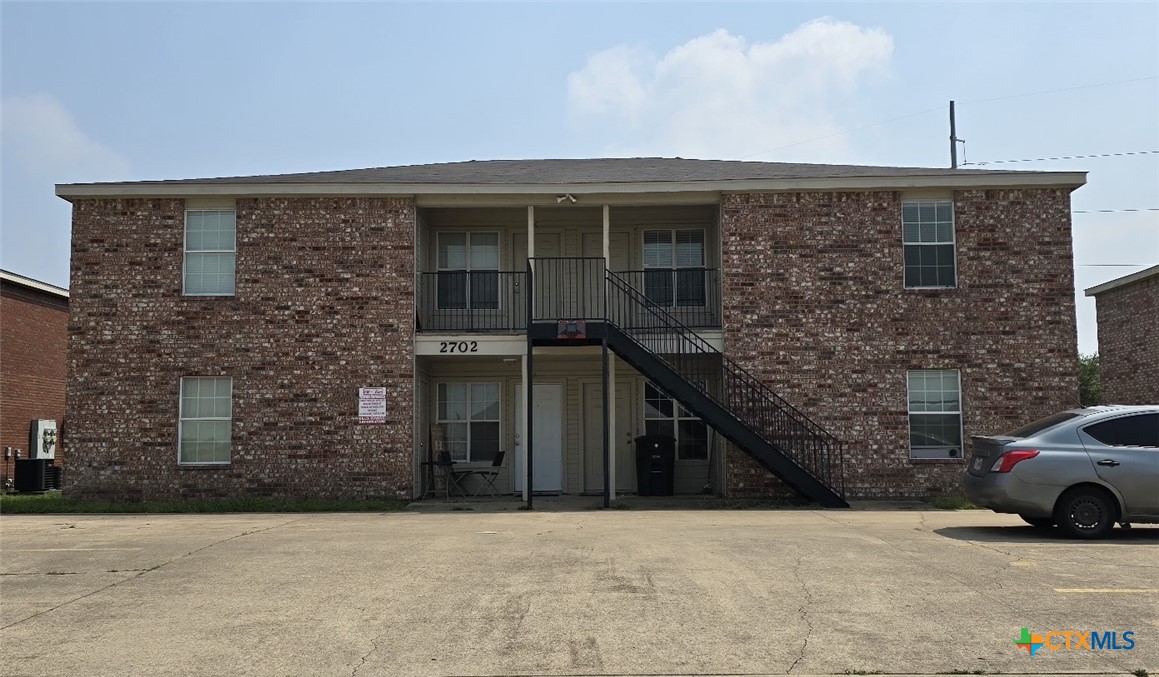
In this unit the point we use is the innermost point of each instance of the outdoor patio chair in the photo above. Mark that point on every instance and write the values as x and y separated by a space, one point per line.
486 476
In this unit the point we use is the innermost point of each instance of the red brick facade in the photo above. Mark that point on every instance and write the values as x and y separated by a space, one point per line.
1129 342
814 305
324 304
33 341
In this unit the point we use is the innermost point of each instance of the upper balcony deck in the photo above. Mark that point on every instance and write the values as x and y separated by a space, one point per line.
494 301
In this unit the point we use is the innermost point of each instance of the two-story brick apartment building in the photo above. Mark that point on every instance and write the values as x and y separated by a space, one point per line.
841 328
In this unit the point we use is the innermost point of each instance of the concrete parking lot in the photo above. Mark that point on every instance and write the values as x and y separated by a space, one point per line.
584 592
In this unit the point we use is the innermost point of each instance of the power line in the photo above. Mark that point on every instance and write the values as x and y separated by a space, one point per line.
1064 157
939 108
1064 89
1113 211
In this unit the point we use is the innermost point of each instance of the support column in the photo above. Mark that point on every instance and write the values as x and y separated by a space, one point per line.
609 377
607 236
529 364
610 396
607 428
526 425
530 231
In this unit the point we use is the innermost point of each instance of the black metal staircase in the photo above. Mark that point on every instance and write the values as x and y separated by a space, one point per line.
725 396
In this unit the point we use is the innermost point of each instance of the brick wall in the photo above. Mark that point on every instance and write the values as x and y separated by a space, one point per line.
814 306
1129 342
323 305
33 339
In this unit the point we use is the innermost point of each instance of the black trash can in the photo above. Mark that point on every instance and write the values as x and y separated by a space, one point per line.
30 474
655 465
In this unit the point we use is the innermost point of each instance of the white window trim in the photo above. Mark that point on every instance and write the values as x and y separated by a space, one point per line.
469 420
181 420
953 240
673 306
497 269
908 425
185 250
676 419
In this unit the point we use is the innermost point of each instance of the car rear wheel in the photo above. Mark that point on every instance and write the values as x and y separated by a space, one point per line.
1085 513
1040 522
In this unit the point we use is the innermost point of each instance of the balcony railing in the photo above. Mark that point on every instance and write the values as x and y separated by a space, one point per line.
691 295
492 301
476 301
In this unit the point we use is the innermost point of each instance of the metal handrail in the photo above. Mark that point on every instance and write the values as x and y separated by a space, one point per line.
821 468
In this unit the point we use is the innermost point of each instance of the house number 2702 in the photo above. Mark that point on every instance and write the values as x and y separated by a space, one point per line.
458 346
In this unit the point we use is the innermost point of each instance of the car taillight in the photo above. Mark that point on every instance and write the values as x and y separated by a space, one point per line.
1012 458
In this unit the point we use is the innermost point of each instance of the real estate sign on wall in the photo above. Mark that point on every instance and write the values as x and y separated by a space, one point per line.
372 405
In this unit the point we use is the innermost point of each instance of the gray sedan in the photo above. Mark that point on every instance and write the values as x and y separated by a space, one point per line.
1082 470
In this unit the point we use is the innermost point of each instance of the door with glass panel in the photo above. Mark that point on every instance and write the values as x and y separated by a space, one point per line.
468 286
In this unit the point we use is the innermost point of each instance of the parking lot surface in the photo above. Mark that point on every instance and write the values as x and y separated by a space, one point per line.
586 592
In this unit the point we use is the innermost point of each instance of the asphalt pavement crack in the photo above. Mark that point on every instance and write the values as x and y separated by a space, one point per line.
373 648
803 611
137 573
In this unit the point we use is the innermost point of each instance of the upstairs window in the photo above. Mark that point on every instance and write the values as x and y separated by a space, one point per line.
674 268
468 268
928 242
935 413
210 252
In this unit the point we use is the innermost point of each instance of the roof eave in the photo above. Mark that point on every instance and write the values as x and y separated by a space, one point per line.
1122 281
1070 180
23 281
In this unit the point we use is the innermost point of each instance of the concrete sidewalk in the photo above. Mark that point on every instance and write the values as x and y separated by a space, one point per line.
589 592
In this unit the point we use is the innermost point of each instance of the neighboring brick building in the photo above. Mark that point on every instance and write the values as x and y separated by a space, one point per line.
33 345
1128 313
222 328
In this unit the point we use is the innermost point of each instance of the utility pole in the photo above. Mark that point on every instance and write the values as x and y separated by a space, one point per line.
953 139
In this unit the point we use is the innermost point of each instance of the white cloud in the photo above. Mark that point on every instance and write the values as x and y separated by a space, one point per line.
717 95
41 139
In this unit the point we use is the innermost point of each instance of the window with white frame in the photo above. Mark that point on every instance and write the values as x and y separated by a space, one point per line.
469 416
674 273
468 271
665 416
935 413
210 251
928 243
206 417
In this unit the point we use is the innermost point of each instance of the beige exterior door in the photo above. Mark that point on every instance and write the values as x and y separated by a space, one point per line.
594 442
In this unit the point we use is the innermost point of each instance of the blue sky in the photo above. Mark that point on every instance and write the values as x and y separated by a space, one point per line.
121 91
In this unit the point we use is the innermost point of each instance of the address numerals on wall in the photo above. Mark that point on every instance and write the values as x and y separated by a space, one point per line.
458 346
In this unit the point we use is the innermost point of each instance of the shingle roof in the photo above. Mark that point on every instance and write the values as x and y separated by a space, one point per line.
586 171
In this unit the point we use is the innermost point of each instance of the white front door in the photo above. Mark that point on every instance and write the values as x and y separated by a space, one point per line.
547 432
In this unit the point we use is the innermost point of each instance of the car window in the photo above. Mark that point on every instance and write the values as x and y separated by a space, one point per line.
1141 430
1031 429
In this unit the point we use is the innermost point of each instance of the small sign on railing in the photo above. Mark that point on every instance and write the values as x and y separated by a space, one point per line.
372 405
